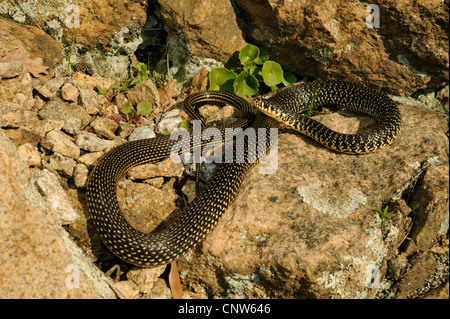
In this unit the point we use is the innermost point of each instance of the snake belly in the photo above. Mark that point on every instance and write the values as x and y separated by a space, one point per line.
191 227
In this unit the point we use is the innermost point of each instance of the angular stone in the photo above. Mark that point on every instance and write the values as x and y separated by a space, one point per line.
46 126
145 206
50 88
210 28
140 133
145 277
125 129
61 164
91 142
80 175
57 141
69 92
429 209
40 46
89 100
144 92
11 115
166 168
169 121
50 188
11 69
30 154
104 127
18 90
75 117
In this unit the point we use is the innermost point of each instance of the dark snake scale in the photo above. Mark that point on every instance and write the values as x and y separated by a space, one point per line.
191 226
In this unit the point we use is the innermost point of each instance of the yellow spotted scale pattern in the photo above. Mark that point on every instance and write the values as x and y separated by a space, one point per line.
191 227
162 247
288 104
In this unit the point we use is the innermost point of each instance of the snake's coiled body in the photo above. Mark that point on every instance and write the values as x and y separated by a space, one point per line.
205 211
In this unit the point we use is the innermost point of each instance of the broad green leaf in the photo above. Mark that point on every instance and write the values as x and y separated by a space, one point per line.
221 79
248 53
249 66
245 85
263 56
254 70
126 107
272 73
289 78
144 108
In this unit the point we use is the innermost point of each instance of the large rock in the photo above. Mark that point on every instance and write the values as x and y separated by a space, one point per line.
103 21
37 50
330 39
312 230
37 259
210 28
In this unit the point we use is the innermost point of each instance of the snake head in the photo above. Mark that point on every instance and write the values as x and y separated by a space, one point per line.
263 105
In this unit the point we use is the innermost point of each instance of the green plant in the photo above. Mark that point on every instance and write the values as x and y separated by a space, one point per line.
140 74
384 213
72 44
142 109
256 68
312 107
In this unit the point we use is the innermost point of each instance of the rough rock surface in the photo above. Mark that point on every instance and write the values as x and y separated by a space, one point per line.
330 39
36 260
43 51
309 230
200 22
312 230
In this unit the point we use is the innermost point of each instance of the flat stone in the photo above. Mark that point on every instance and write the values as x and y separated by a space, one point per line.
59 142
140 133
80 175
50 188
91 143
61 164
104 127
11 115
69 92
75 117
166 168
11 69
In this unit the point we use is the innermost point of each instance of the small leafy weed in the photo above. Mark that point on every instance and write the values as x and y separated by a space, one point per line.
256 68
